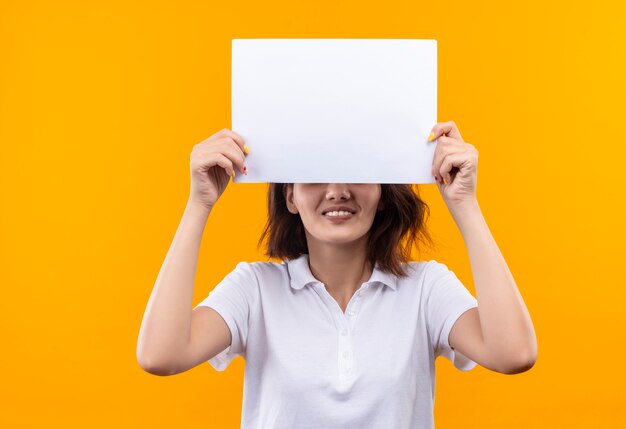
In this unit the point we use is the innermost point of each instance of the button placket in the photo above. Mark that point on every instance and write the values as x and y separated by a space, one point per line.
345 362
345 353
354 305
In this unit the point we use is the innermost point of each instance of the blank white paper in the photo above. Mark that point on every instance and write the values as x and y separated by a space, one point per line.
335 110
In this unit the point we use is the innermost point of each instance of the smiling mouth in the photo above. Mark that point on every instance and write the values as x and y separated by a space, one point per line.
338 215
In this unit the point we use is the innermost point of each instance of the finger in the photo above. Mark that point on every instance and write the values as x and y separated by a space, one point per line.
448 128
233 151
450 161
446 140
225 146
225 132
224 162
445 145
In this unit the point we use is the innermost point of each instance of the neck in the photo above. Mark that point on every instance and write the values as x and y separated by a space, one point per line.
343 268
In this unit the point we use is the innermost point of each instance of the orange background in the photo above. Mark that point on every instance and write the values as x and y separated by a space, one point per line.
101 104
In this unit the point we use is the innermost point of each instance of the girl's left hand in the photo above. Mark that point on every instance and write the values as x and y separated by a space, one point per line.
455 161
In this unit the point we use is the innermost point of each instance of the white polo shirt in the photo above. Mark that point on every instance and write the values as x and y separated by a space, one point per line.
309 365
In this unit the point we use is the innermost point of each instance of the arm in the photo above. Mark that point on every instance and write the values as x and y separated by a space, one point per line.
165 345
499 332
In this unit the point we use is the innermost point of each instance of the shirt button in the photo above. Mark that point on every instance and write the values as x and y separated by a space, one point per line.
350 313
344 332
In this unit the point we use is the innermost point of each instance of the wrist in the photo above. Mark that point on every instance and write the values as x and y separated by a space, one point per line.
465 207
465 212
196 208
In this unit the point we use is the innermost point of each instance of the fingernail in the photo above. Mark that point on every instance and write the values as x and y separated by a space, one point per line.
431 137
233 175
246 150
245 170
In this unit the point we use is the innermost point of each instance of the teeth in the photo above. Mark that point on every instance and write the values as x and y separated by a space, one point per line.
338 213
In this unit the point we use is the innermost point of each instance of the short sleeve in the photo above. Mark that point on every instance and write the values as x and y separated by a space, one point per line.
234 298
446 300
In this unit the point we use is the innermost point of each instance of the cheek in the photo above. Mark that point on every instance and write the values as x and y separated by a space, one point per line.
308 208
308 215
371 198
372 204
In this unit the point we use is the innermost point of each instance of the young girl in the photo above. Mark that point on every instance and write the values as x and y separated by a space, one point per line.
344 332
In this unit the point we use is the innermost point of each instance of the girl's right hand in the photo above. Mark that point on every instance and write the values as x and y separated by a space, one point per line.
213 161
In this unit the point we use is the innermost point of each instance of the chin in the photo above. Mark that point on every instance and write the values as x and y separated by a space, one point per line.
341 238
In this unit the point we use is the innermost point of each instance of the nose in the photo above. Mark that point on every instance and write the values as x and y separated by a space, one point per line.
337 190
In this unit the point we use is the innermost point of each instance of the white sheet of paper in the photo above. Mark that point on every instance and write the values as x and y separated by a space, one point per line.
335 110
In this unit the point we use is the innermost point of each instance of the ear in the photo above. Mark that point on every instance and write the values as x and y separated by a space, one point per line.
288 193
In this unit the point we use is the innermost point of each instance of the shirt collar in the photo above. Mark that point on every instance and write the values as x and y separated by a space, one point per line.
300 274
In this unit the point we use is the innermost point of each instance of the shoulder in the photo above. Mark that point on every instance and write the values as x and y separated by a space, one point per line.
426 273
433 267
263 268
250 280
415 269
262 271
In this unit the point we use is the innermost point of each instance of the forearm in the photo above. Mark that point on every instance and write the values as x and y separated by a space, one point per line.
166 324
505 322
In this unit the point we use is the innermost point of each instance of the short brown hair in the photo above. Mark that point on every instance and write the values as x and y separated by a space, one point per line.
395 229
